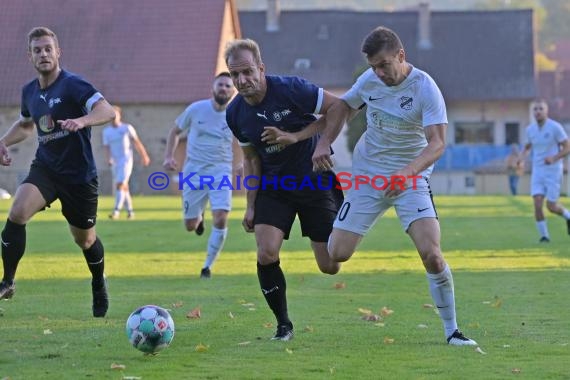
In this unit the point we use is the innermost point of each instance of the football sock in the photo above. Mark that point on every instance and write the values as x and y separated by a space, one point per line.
215 245
128 202
441 289
94 257
119 199
13 247
566 214
542 228
273 286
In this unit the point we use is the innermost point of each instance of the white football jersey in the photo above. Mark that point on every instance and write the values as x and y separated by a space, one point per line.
209 146
396 117
118 139
545 142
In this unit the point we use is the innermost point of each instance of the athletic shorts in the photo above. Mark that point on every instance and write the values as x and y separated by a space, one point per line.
195 197
546 184
122 171
78 201
316 208
363 206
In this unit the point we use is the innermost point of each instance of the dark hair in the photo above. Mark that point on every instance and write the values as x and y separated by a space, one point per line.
381 39
223 74
41 31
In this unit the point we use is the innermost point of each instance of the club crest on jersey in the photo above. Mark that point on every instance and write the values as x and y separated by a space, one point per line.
279 115
406 103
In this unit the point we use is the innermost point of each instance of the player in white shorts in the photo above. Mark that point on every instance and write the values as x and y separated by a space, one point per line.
549 144
208 167
405 135
118 141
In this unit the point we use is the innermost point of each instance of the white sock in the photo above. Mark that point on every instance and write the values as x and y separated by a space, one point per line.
441 289
215 245
119 199
128 202
542 228
566 214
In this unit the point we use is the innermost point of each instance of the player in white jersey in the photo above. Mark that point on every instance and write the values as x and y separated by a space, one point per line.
209 156
549 144
405 135
118 141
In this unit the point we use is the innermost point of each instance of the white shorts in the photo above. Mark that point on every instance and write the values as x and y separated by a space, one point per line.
195 198
362 207
547 184
122 171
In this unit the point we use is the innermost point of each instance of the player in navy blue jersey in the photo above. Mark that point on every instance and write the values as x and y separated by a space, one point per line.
63 107
288 103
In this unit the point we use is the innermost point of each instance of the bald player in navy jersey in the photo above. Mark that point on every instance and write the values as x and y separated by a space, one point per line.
63 107
283 184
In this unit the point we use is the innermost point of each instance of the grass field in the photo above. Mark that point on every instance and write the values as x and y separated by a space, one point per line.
511 294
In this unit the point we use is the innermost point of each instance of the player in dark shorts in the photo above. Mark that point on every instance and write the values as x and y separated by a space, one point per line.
63 106
282 183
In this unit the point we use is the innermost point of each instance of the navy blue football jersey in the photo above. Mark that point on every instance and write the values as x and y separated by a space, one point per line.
65 154
289 104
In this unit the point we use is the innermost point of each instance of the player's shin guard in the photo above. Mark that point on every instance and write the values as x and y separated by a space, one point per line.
441 288
13 247
273 286
94 256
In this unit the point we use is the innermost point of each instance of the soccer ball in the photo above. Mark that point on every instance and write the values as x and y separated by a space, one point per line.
150 329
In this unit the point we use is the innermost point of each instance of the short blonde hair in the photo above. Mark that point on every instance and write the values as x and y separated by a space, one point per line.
41 31
236 45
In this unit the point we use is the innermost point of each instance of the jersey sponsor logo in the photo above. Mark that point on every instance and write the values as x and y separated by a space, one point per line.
274 148
53 102
262 115
43 97
406 103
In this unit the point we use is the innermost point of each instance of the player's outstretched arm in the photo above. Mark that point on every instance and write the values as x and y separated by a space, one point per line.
101 113
19 131
335 119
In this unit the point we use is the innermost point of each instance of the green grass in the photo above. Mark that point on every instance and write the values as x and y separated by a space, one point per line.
512 297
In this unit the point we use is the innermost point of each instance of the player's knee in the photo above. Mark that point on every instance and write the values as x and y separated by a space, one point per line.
432 259
191 224
551 207
330 268
84 242
267 255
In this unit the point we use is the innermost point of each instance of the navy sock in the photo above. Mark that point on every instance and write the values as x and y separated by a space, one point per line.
273 286
94 257
13 247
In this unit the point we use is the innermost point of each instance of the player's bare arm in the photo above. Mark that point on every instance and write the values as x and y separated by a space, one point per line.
563 152
251 167
101 113
145 159
435 136
18 132
171 144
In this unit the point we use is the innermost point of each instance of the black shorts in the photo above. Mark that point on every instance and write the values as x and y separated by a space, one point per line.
78 201
316 209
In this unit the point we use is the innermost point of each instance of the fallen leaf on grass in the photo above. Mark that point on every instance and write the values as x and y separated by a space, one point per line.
379 324
201 348
118 366
308 329
388 340
339 285
195 313
422 326
42 318
474 325
248 304
268 325
364 311
177 305
386 311
506 345
132 378
332 370
47 332
289 351
231 315
498 302
479 350
516 370
427 306
244 343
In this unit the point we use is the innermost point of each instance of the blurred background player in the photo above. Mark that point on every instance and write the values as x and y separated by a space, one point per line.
549 144
288 103
118 141
63 107
515 168
209 153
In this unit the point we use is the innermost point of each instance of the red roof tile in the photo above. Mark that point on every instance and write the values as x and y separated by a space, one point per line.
133 51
